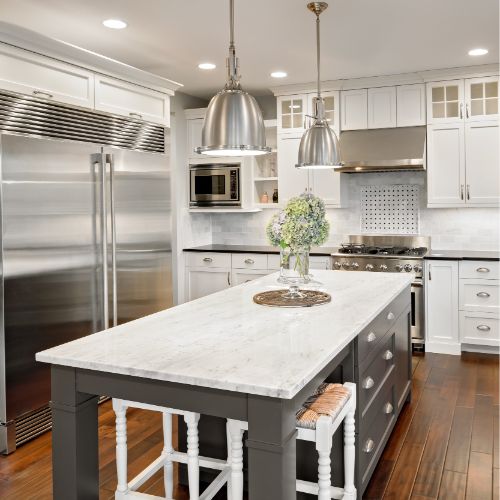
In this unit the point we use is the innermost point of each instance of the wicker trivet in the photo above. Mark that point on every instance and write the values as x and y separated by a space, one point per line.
279 298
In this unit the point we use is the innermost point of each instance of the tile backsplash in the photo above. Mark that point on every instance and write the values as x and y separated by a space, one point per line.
449 228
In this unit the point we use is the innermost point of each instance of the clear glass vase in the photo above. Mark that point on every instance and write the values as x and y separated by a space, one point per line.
294 269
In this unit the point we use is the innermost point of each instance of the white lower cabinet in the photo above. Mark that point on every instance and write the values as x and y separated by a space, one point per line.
441 301
479 328
204 281
239 276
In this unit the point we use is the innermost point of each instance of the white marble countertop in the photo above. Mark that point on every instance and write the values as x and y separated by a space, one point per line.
226 341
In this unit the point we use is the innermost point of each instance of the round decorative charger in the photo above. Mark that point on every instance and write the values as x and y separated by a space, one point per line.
282 298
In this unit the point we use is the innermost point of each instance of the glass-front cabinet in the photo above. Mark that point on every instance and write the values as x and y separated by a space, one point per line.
445 101
292 110
481 98
332 108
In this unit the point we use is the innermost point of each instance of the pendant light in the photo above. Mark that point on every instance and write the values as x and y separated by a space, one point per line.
233 123
319 146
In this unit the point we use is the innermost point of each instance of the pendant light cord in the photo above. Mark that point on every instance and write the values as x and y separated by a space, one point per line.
233 79
318 54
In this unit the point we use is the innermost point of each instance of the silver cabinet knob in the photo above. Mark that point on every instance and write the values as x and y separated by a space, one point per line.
369 445
369 267
390 316
482 270
483 295
387 355
208 259
483 328
371 337
388 408
249 261
383 267
368 383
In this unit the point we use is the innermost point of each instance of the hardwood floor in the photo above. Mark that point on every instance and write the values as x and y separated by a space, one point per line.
445 444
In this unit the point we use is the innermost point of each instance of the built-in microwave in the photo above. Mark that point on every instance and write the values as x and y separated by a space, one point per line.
215 184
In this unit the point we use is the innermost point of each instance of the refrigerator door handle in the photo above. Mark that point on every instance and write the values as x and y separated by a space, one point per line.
114 287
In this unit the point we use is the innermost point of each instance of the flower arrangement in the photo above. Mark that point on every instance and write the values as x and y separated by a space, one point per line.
301 224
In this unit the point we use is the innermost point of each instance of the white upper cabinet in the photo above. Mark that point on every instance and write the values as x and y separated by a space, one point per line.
332 108
123 98
483 162
327 185
354 109
445 101
410 105
28 73
481 98
382 107
194 129
291 180
292 110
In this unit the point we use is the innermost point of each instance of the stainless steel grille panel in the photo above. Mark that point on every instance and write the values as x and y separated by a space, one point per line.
32 116
33 425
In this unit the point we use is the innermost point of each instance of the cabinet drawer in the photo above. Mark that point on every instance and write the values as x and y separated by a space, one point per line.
479 269
479 295
122 98
479 328
209 259
374 428
273 261
369 338
249 261
318 262
372 377
28 73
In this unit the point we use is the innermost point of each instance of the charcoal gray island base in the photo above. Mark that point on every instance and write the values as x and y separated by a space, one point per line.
256 364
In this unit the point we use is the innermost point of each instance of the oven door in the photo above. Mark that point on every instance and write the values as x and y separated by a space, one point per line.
417 312
212 186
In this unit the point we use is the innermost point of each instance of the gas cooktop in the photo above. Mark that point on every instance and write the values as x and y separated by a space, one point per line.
362 249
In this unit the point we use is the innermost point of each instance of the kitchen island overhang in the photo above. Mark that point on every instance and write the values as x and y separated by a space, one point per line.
221 355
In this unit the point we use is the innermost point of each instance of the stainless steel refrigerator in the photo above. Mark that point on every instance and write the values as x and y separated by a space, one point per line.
85 245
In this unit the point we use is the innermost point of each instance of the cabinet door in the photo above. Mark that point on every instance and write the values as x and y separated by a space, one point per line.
332 108
441 299
446 164
481 98
354 109
28 73
410 105
327 185
291 180
318 262
201 282
292 110
445 101
382 107
239 276
482 162
122 98
194 128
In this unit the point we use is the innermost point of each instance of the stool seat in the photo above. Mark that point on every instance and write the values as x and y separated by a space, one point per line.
328 400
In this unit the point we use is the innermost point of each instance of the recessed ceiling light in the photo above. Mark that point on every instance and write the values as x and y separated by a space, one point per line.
206 66
115 24
478 52
279 74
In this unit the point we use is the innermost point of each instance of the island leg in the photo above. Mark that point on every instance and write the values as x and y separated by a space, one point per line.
75 457
271 449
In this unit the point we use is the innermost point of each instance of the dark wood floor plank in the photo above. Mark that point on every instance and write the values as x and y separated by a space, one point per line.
482 425
457 455
468 379
496 437
453 485
480 477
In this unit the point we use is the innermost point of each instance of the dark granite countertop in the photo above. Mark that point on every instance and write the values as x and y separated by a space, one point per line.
462 255
326 251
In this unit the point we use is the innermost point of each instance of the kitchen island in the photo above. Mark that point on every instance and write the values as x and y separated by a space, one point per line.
224 356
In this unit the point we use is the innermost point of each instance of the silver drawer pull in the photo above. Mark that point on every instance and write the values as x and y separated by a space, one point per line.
388 408
482 270
369 445
390 316
371 337
135 115
483 328
41 92
368 383
249 261
483 294
208 259
387 355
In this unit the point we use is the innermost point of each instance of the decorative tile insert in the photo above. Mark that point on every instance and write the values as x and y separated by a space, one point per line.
390 209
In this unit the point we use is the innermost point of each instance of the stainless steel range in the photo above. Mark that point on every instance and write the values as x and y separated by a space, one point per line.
396 254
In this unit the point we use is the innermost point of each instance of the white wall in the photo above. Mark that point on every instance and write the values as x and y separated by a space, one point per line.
449 228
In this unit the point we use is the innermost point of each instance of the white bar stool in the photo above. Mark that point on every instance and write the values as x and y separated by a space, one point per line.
128 489
317 421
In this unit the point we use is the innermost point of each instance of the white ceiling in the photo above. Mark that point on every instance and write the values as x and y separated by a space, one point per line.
359 37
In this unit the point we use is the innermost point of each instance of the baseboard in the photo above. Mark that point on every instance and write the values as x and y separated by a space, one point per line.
485 349
441 348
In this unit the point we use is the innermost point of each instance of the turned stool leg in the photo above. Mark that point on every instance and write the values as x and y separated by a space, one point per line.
236 457
168 467
121 447
229 447
349 449
324 447
193 465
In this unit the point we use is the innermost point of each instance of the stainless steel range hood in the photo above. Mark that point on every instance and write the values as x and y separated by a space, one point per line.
382 150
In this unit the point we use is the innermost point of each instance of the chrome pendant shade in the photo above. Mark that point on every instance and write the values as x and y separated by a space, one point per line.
319 147
233 124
